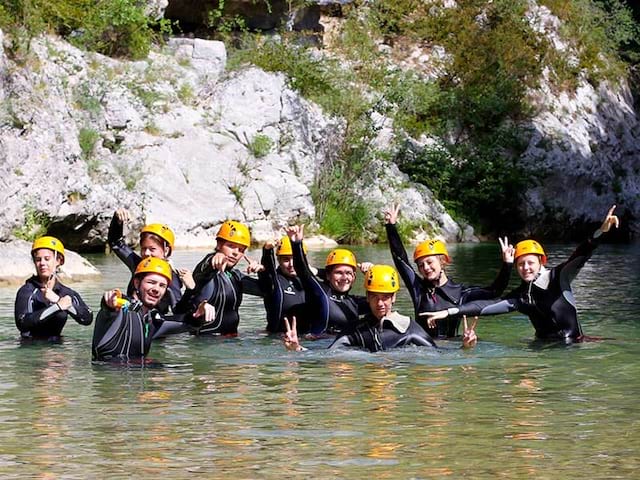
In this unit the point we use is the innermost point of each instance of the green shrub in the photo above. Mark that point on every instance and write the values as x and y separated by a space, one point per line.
185 93
35 224
600 31
111 27
87 138
260 146
477 106
347 221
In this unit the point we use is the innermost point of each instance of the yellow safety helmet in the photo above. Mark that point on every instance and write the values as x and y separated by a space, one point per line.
50 243
284 248
381 279
431 247
341 256
154 265
235 232
163 231
526 247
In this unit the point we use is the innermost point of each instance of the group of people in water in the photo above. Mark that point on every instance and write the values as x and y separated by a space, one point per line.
299 300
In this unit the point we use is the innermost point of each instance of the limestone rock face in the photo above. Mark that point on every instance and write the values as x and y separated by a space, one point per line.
175 139
155 8
584 150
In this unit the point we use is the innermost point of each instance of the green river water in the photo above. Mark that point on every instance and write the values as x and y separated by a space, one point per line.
246 408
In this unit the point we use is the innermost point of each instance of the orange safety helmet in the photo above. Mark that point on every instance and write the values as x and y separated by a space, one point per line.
50 243
526 247
235 232
163 231
284 248
154 265
381 279
431 247
341 256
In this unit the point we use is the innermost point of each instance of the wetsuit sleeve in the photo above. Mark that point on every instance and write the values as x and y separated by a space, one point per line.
250 285
300 263
494 290
117 243
487 307
104 319
79 310
344 341
267 277
316 297
173 324
570 268
362 304
203 271
401 261
26 317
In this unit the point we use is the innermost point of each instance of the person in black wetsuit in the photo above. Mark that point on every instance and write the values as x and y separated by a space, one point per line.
43 303
544 294
328 307
156 240
279 282
220 283
434 290
381 328
125 328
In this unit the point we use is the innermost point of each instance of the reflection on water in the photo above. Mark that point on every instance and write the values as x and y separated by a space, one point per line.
246 408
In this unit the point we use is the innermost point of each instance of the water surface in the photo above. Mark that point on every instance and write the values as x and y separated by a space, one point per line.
246 408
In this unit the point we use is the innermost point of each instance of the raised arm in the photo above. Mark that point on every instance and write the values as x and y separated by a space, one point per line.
267 276
401 261
116 241
500 283
583 252
317 300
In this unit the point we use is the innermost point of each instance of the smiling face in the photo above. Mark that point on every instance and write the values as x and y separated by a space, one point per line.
153 246
46 262
232 250
341 277
380 303
285 262
150 288
430 267
528 266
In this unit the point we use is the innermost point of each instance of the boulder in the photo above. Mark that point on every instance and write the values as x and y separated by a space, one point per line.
16 265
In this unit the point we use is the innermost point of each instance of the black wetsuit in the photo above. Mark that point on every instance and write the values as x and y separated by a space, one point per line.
131 259
224 291
393 332
281 293
325 310
427 298
127 333
36 317
547 301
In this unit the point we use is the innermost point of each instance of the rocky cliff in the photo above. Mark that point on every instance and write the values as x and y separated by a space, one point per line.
174 138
